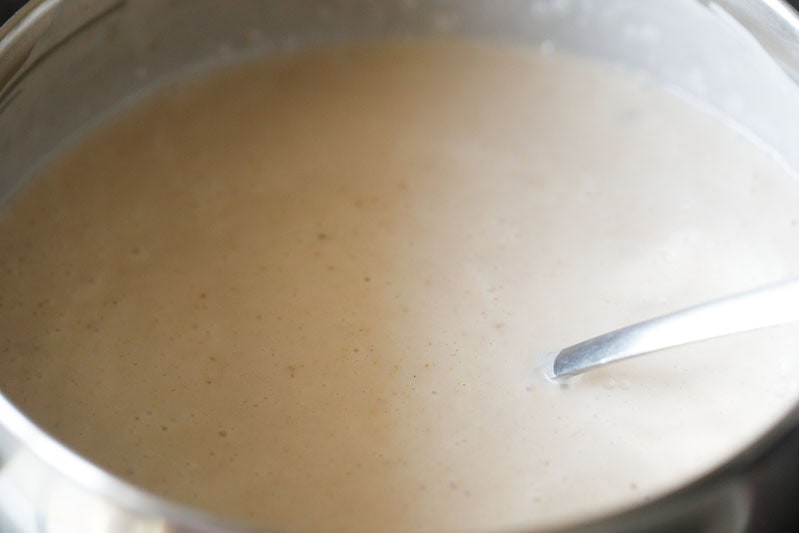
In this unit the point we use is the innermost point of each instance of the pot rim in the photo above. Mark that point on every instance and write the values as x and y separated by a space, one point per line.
21 436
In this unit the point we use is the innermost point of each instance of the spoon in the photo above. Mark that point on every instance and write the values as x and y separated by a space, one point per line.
760 308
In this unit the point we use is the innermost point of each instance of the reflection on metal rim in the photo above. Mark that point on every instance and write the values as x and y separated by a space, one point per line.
46 487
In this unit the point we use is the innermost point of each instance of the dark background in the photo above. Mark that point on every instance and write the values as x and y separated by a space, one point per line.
8 7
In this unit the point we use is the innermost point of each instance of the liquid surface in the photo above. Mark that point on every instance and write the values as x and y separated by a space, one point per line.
311 292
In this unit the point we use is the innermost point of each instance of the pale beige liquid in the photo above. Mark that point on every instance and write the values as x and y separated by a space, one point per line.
312 292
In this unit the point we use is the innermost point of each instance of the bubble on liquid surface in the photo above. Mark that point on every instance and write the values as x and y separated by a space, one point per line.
546 367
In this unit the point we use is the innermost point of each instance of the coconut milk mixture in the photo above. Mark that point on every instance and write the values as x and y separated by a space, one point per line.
311 292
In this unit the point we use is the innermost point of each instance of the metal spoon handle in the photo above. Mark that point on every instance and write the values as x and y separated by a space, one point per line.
768 306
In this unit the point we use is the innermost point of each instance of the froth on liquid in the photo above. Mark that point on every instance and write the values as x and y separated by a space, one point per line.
309 292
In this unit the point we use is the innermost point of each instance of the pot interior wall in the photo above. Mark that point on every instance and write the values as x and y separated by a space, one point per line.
100 54
97 55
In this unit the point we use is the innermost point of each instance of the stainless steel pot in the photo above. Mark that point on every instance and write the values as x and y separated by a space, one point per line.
65 64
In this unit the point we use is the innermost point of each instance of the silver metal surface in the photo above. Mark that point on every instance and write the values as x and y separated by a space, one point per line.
67 64
17 41
760 308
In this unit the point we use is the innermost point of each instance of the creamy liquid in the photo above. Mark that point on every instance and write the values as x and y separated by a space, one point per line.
311 292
